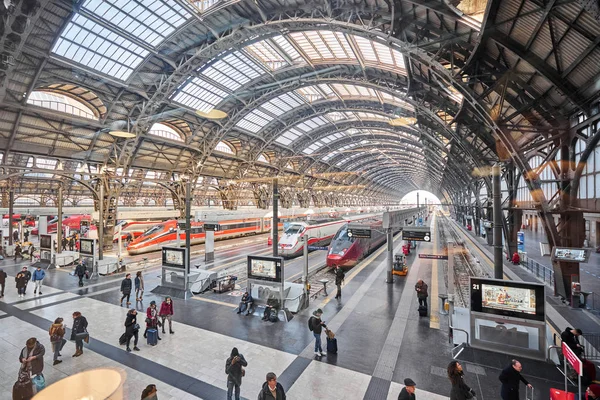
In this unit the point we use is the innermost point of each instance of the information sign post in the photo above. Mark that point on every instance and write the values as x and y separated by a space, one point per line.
209 241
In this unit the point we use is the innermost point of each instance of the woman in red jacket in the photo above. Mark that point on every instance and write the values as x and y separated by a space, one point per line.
166 312
151 319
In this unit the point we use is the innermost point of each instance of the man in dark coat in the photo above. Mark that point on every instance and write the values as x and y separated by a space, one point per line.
421 289
570 337
235 372
271 389
33 354
408 391
339 279
2 282
80 272
126 286
27 274
510 378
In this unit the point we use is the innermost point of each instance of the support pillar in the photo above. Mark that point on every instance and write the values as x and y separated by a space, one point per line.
188 229
497 200
275 223
11 204
59 228
100 223
417 199
390 255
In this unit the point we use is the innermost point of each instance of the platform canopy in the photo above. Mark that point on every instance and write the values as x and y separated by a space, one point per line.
353 100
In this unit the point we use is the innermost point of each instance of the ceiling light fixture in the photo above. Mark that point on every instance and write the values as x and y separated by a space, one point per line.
123 134
402 121
212 114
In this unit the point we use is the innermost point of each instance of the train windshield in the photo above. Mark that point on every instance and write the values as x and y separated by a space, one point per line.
341 242
342 235
294 229
153 230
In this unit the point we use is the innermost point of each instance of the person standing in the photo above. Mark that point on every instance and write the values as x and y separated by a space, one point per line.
149 393
32 355
139 286
27 274
166 313
3 277
235 372
408 391
272 389
510 378
21 282
80 273
570 337
460 390
421 289
151 319
132 329
79 332
15 236
126 288
26 235
38 277
64 243
316 326
57 338
339 279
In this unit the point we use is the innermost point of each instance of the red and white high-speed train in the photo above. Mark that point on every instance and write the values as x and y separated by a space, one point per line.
319 231
346 251
133 228
72 221
165 234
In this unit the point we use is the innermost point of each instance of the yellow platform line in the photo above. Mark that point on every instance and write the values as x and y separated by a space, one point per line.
434 319
222 303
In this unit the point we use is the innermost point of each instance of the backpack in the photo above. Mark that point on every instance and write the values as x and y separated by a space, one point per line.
310 323
273 316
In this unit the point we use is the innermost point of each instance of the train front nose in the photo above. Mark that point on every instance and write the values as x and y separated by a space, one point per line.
333 260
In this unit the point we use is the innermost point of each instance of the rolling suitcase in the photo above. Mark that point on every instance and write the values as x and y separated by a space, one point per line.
422 311
152 335
332 345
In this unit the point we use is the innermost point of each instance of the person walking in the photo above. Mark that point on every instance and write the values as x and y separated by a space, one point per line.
151 319
21 282
271 389
80 273
235 372
126 288
27 274
460 390
32 355
316 326
339 279
57 338
139 286
79 332
408 391
26 235
510 378
421 289
15 236
38 277
64 243
3 277
132 329
19 251
149 393
31 251
166 313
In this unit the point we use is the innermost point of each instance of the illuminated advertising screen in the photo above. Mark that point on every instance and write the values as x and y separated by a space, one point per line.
45 242
86 246
173 257
509 298
569 254
265 268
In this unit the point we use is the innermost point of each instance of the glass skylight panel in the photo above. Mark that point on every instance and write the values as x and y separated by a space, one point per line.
327 90
87 43
371 116
267 54
200 95
345 160
324 45
310 93
340 116
61 103
233 70
283 103
380 56
289 136
388 98
148 20
254 121
312 148
286 46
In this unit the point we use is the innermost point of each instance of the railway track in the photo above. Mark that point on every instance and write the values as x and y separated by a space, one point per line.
465 265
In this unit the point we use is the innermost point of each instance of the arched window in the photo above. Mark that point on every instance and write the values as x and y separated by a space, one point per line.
224 148
262 158
61 103
165 131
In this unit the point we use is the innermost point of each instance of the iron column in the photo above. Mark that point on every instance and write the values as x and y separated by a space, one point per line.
188 231
390 255
59 232
497 204
275 224
100 222
11 203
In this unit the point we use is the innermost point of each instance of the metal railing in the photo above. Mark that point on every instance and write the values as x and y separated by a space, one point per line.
591 344
542 272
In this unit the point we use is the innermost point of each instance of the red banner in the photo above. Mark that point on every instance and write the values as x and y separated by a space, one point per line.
572 359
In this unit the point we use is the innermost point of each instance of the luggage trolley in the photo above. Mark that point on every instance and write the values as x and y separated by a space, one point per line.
400 268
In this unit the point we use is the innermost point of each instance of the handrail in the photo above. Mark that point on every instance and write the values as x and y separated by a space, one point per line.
548 351
460 330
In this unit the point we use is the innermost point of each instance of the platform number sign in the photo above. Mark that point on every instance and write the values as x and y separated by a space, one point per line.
475 286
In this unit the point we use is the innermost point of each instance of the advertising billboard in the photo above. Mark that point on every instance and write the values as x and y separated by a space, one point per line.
570 254
265 268
508 298
173 257
86 246
521 241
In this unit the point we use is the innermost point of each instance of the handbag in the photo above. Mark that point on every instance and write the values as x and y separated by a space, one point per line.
83 336
136 327
39 382
243 372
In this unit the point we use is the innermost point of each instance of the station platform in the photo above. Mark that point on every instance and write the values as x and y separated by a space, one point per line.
381 338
